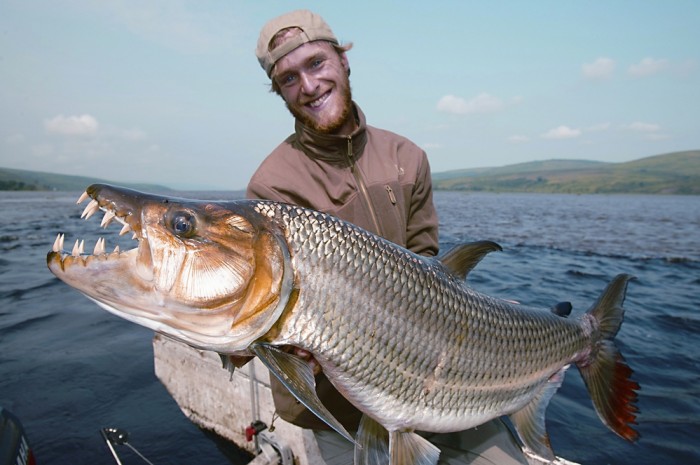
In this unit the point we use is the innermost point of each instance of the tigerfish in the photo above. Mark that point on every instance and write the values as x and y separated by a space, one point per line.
401 336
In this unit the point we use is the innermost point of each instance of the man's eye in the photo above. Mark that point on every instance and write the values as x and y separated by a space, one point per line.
287 79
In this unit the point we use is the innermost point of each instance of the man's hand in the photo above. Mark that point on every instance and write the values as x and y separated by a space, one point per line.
305 355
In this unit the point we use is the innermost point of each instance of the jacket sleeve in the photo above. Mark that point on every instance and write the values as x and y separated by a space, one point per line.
260 188
256 190
422 223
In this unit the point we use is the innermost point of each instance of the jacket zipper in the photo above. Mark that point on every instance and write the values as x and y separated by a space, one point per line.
364 195
390 191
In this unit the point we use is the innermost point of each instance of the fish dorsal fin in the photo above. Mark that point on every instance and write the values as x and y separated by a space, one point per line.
372 446
461 259
529 421
296 375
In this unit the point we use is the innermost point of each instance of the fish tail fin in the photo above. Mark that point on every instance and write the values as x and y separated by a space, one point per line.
604 371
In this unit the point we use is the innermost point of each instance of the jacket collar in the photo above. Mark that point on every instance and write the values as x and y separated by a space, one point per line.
333 148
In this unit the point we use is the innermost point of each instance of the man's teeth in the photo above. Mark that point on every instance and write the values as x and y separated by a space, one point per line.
318 102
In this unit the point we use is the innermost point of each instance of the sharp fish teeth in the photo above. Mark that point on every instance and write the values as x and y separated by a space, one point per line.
83 197
91 209
99 247
125 229
58 243
78 248
109 216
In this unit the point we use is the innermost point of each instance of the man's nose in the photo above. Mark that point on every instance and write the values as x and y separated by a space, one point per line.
309 83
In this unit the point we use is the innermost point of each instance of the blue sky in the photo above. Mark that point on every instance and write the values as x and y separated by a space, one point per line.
170 92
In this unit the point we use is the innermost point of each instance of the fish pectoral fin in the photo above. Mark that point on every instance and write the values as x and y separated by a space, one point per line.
296 375
529 421
372 443
407 447
461 259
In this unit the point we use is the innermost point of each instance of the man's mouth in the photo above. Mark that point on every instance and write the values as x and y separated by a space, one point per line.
319 101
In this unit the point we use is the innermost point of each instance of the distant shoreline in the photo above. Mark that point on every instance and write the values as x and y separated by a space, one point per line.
673 173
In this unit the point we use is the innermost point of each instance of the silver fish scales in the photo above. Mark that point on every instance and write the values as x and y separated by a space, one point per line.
456 356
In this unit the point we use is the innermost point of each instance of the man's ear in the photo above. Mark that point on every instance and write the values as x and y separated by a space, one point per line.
344 61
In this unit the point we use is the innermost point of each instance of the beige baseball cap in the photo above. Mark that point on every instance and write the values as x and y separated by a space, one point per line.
312 26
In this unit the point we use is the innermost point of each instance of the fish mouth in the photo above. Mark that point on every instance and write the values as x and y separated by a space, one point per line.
120 281
115 210
194 274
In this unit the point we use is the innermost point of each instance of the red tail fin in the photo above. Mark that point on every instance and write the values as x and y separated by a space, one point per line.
607 376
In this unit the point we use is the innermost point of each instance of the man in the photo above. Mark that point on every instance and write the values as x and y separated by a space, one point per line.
334 162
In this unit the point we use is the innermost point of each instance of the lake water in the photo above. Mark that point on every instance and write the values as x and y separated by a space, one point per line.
68 368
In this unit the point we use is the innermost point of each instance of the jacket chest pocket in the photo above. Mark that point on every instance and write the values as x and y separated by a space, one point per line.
390 206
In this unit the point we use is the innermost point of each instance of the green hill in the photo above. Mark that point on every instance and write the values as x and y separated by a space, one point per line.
21 180
673 173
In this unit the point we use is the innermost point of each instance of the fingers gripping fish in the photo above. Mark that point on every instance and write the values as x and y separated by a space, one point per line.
402 337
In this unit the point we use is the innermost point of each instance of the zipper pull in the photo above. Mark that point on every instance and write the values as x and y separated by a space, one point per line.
390 191
350 154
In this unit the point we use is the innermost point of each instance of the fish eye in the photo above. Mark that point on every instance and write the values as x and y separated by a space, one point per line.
183 224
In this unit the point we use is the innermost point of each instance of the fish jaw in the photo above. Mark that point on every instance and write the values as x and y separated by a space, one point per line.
201 273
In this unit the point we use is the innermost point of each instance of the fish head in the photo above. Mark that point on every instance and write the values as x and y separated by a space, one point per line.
214 275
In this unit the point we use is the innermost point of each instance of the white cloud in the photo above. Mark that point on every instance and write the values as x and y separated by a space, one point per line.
643 127
602 68
482 103
649 131
432 146
647 67
518 138
72 125
561 132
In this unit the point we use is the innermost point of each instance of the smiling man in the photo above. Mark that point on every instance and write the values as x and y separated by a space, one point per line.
336 163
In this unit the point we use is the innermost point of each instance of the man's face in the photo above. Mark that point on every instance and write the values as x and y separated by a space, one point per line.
313 81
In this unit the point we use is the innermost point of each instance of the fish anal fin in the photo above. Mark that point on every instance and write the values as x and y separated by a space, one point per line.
529 421
296 375
407 447
461 259
372 443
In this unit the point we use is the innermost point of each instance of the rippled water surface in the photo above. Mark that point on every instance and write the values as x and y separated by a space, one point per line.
68 368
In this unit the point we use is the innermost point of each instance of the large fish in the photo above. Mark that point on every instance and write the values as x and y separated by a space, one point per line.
401 336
